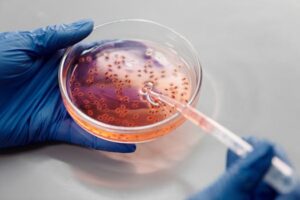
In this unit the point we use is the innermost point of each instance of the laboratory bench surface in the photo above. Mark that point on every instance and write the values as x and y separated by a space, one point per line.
249 51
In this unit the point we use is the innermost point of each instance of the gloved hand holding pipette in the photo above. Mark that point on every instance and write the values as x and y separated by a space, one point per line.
280 176
31 109
243 178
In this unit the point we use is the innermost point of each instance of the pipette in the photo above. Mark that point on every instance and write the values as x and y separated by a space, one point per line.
280 176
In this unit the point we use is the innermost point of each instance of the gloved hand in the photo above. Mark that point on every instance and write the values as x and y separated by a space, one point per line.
31 109
244 177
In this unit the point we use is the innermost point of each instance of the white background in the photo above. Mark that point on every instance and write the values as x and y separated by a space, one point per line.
250 52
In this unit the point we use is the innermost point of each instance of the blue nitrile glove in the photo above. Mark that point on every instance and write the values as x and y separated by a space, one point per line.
243 178
31 109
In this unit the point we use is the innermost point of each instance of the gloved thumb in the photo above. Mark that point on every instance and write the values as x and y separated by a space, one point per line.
52 38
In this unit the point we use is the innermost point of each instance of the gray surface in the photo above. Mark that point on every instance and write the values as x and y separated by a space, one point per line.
250 55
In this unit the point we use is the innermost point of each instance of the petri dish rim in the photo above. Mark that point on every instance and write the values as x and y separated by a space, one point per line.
136 128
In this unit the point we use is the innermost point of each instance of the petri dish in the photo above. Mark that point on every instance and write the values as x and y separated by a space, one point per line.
102 77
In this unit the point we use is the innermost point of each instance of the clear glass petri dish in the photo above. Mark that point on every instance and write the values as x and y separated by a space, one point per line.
130 30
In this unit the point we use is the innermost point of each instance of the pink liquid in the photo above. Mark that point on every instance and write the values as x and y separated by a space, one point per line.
107 78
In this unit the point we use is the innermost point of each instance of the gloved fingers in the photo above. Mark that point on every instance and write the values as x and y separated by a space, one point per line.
248 172
263 190
232 158
68 131
52 38
13 60
241 179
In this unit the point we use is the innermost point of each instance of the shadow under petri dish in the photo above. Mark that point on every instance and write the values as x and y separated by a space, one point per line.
153 163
